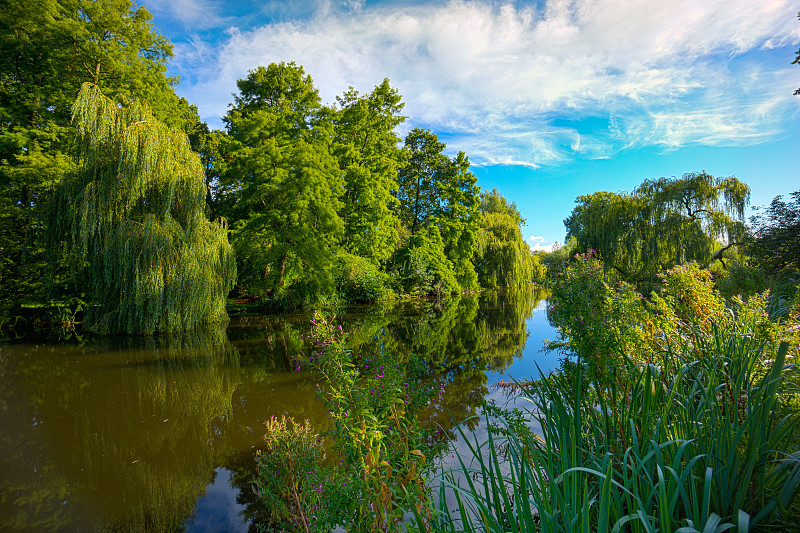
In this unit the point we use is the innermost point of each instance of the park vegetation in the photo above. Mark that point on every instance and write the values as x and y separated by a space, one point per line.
121 207
674 410
676 406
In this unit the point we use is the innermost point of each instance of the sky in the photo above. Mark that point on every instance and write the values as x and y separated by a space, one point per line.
549 99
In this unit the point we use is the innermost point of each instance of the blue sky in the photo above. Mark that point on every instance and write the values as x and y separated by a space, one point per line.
549 99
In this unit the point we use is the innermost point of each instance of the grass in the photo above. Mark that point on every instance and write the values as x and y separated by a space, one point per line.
693 444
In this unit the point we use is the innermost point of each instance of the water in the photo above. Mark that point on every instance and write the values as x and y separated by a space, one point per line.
160 433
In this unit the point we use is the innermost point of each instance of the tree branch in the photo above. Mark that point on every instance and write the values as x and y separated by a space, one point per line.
718 255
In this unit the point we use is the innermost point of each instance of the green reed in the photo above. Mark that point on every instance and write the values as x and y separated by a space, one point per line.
692 444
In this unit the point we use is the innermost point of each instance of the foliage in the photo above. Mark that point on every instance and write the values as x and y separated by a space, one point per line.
291 451
597 314
358 279
133 222
776 244
603 320
741 278
286 183
422 267
669 420
663 223
365 145
373 402
435 190
693 445
502 257
797 59
48 49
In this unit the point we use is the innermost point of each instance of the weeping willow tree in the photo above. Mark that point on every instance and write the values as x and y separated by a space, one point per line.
663 223
502 258
133 222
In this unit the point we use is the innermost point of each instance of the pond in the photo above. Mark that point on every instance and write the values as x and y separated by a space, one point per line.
160 433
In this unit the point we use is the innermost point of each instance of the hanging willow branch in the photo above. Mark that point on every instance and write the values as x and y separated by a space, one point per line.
664 222
134 221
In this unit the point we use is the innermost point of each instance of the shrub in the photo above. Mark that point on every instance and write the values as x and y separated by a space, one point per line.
423 267
382 454
358 279
742 279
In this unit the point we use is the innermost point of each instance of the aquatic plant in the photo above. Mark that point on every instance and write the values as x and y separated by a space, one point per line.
699 447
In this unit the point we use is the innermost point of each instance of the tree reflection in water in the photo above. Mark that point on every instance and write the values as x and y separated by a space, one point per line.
126 434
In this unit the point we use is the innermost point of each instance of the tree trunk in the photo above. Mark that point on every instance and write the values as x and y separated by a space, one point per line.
283 270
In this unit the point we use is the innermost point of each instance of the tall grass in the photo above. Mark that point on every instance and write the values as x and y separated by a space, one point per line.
692 444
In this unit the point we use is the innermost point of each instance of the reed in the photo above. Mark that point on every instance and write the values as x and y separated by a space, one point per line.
692 444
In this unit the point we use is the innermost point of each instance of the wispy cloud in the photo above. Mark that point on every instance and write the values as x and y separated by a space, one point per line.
198 14
498 78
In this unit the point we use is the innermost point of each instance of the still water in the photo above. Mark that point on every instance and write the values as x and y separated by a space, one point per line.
160 433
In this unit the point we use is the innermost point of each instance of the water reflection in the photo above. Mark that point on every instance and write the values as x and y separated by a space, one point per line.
128 434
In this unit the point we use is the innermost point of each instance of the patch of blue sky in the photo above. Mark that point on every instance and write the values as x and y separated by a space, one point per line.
549 99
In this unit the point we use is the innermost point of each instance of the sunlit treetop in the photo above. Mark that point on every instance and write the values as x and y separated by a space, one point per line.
133 221
662 223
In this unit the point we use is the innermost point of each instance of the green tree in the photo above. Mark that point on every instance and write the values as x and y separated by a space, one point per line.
418 191
366 146
503 258
422 266
797 59
777 235
48 49
663 223
286 181
133 222
435 190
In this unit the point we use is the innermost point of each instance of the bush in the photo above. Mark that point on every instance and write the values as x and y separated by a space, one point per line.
422 267
598 315
292 453
741 279
358 279
382 454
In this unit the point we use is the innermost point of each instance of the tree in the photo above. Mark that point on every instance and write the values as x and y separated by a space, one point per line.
436 190
776 232
133 222
663 223
48 49
286 181
369 158
797 59
419 192
503 258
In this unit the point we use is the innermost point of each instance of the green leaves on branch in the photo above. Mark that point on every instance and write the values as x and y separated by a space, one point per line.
133 222
777 235
435 190
502 257
663 223
365 145
287 211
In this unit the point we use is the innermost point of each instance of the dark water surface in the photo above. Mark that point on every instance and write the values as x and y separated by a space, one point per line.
160 433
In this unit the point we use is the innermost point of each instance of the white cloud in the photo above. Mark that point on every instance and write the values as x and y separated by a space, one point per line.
539 247
538 244
496 77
